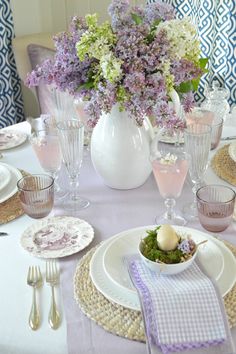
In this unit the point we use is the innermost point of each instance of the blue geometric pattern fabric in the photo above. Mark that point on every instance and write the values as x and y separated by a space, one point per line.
11 104
215 21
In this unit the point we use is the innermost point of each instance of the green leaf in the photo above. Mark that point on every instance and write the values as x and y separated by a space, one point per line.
86 85
185 87
156 23
195 83
203 62
137 19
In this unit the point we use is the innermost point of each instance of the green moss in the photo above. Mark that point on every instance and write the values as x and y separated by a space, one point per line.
151 251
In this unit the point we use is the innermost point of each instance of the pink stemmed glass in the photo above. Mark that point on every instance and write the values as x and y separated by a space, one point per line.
36 194
170 168
47 148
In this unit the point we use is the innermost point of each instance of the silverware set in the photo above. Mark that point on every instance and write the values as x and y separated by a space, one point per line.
35 280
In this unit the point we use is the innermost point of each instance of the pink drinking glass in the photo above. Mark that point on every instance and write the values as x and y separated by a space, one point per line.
46 145
170 169
215 204
36 194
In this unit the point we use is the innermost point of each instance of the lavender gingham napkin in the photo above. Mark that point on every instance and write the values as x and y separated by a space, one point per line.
181 312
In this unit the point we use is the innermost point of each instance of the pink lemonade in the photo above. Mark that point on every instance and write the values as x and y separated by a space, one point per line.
48 152
170 177
200 117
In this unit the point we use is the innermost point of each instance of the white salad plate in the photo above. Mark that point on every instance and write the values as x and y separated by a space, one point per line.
5 176
121 290
11 188
57 237
11 138
209 255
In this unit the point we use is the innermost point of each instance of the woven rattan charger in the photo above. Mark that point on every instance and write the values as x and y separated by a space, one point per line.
116 318
11 208
224 166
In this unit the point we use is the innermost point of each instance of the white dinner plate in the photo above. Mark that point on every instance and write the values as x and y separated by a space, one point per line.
11 188
5 176
56 237
209 255
130 299
232 151
11 138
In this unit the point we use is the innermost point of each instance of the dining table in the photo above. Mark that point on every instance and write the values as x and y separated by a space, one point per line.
111 211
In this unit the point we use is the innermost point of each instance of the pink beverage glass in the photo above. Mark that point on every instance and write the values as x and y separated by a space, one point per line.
216 132
47 148
83 118
215 204
200 116
170 170
36 194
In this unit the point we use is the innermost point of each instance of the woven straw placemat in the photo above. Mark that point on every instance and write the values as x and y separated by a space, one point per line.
11 208
118 319
224 166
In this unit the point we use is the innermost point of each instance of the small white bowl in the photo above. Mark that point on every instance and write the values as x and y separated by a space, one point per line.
167 269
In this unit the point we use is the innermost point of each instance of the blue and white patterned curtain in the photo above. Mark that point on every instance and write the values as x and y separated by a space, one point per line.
216 24
11 104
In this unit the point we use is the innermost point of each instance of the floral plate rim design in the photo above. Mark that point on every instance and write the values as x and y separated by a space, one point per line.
56 237
15 139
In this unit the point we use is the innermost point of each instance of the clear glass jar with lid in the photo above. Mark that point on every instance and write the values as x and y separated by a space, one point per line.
216 100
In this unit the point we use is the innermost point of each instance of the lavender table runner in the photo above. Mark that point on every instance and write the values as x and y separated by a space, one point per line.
111 211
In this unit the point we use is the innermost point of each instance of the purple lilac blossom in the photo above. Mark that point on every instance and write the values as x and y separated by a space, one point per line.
188 102
187 246
158 11
142 53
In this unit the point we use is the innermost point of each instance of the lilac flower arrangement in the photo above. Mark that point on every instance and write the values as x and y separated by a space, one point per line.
134 61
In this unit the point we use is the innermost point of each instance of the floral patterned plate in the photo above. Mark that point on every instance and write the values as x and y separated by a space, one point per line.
57 237
11 138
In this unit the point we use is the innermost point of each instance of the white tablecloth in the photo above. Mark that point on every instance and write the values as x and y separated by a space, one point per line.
16 296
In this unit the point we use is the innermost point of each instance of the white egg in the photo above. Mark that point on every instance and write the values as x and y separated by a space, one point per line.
167 238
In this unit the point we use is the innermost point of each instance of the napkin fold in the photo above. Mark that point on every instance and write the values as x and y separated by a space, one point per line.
181 312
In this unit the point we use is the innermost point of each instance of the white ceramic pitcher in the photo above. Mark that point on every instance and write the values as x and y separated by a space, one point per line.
120 149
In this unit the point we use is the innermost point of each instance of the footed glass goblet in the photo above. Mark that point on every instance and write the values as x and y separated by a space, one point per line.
71 137
197 139
47 148
170 168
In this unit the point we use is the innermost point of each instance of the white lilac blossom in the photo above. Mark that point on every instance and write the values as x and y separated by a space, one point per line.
135 61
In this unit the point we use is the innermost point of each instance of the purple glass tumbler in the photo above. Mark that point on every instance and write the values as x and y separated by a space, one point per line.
215 204
36 194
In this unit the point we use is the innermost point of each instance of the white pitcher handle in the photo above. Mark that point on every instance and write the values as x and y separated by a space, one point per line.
176 101
154 145
148 127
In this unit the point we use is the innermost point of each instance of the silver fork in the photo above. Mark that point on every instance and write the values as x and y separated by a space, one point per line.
52 278
35 280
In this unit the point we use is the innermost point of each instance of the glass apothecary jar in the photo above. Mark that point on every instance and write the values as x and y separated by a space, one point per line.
216 100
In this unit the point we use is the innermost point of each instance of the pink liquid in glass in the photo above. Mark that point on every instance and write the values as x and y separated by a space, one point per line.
48 152
215 222
170 177
200 117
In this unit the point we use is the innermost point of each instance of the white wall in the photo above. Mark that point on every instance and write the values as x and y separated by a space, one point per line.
34 16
